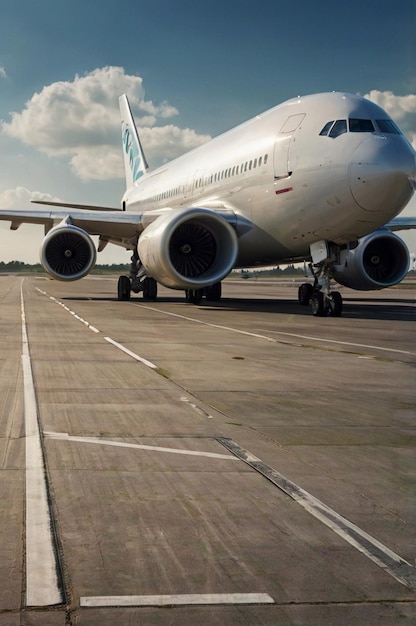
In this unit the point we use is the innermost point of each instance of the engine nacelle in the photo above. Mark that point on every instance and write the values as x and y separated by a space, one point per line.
380 260
188 249
68 252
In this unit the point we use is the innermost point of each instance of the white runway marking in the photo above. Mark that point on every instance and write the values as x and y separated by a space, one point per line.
137 446
175 600
385 558
42 585
132 354
273 340
346 343
80 319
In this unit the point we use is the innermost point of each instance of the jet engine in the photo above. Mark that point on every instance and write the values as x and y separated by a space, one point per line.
68 252
188 249
381 259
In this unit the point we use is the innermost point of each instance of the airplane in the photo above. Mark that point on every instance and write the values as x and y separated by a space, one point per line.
318 179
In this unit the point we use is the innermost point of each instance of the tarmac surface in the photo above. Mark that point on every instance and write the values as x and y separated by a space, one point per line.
234 463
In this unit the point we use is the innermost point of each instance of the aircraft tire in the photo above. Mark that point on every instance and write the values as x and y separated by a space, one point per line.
318 304
149 289
335 304
123 288
305 293
194 296
213 293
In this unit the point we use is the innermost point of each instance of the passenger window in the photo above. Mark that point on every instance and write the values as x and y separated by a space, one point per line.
361 126
339 128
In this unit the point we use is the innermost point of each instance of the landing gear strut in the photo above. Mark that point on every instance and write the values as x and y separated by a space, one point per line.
194 296
137 281
212 294
323 301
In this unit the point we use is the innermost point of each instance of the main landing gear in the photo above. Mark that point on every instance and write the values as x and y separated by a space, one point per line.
212 294
137 281
323 301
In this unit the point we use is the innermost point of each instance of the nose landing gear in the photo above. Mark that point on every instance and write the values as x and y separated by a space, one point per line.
323 304
323 301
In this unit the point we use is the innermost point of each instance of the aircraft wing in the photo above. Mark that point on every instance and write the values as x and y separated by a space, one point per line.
111 225
95 222
401 223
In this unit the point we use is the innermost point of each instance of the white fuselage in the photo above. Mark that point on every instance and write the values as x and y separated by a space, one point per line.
294 184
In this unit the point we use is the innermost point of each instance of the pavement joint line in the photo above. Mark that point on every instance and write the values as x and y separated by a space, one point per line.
177 600
137 446
43 587
389 561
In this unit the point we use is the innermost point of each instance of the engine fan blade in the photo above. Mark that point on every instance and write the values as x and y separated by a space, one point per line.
67 254
192 249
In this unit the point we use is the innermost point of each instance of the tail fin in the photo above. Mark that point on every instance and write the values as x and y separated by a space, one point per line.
135 163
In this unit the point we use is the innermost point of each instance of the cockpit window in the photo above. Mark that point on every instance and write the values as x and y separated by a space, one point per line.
338 128
334 129
326 128
355 125
388 126
360 126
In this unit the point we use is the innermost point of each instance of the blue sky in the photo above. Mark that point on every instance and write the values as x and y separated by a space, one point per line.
192 70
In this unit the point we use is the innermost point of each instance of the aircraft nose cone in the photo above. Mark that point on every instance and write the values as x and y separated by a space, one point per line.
381 174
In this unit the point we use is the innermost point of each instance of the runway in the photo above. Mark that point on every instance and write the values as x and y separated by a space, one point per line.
233 463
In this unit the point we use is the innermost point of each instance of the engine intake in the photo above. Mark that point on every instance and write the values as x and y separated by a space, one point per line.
188 249
380 260
68 253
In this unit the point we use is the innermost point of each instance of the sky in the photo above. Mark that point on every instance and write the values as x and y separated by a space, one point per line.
191 70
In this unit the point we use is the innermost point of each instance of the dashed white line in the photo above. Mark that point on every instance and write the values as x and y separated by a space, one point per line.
132 354
80 319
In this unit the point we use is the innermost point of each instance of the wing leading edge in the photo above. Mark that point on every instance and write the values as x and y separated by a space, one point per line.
401 223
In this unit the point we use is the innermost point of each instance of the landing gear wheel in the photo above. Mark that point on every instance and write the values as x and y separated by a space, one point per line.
149 289
335 304
305 293
213 293
318 304
194 296
123 288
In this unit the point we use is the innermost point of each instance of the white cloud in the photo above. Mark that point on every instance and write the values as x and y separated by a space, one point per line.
401 108
2 72
20 198
175 141
80 120
22 245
